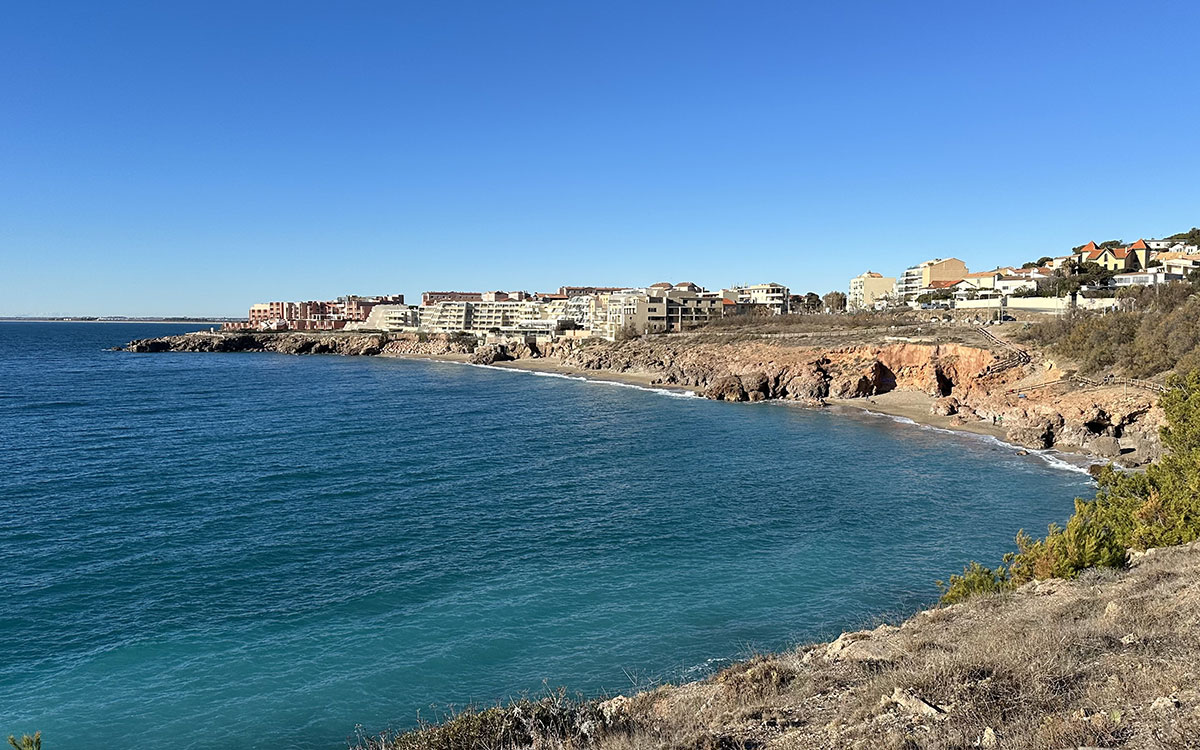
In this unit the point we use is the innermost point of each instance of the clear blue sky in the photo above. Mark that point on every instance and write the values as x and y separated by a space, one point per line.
194 157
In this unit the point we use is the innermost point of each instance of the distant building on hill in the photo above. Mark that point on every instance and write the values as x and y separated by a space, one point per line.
432 298
312 315
659 308
866 289
1174 246
922 275
770 298
1122 258
580 291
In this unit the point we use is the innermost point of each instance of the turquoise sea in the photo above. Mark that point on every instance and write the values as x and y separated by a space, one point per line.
264 551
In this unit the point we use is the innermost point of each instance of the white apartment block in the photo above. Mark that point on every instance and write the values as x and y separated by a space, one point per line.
773 297
1177 262
1172 246
1148 277
480 317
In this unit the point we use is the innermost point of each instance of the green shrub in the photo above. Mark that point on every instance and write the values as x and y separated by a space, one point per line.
1130 511
1158 333
975 579
26 742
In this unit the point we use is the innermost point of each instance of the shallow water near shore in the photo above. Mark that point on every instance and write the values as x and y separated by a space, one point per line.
258 550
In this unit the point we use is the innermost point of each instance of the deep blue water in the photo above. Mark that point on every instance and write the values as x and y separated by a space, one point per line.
251 550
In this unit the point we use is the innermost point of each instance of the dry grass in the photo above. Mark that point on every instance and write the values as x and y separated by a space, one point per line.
1111 660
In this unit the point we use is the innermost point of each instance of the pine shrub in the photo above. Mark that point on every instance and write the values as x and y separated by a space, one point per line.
1130 511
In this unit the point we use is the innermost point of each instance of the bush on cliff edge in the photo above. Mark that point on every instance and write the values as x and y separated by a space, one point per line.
1130 511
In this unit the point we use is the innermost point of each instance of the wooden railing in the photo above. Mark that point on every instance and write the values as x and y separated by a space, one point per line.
1112 380
1079 382
1016 356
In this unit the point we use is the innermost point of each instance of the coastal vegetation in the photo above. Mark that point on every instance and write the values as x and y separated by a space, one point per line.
1157 332
1190 237
27 741
1131 511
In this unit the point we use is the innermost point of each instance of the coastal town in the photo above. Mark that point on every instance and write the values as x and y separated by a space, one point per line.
1090 277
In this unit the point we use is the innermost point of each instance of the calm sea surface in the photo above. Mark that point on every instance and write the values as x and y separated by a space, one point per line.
253 550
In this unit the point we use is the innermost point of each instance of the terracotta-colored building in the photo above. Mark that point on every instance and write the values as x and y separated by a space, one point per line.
313 315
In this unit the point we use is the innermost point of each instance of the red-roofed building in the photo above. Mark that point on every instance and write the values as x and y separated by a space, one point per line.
938 286
1124 258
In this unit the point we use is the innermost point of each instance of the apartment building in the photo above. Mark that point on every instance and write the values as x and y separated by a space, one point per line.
482 316
770 297
867 288
922 276
389 318
660 308
1179 262
314 315
592 291
432 298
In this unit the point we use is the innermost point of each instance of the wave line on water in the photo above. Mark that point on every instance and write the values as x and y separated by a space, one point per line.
673 393
1051 457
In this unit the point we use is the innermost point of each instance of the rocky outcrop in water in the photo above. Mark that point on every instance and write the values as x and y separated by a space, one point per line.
349 344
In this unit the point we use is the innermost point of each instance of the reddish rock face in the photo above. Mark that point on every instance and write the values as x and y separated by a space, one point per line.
1110 421
776 371
958 376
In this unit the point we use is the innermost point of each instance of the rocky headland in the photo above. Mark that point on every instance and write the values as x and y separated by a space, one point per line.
980 387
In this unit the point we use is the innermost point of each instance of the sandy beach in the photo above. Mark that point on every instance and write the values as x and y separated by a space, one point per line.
907 404
557 367
916 406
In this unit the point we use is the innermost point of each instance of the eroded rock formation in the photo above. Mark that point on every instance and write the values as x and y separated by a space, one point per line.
1111 423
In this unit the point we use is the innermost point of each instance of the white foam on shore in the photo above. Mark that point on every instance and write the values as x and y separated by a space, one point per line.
672 392
706 668
1055 459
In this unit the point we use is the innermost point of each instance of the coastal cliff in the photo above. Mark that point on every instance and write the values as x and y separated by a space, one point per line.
969 385
966 387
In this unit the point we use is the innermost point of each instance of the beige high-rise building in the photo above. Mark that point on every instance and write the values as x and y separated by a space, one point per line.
867 288
922 275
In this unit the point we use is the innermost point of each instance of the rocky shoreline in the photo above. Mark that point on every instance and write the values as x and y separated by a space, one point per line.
967 387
